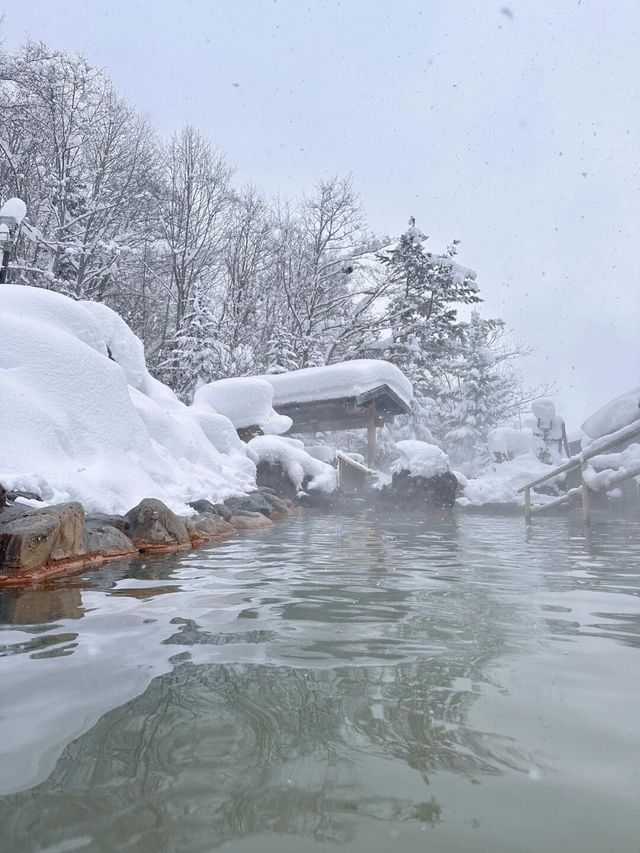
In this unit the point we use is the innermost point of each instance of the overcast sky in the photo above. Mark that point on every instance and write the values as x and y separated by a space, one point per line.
514 127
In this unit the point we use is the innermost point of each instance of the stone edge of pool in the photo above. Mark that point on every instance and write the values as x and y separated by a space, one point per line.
44 543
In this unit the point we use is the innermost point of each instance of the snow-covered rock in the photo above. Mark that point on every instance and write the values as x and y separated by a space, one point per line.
245 401
420 459
300 467
614 415
347 379
82 419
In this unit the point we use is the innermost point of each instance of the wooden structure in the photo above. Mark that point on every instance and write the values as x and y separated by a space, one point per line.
581 461
368 410
352 475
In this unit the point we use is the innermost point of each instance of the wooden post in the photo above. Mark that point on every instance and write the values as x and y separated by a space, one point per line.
586 498
527 504
371 436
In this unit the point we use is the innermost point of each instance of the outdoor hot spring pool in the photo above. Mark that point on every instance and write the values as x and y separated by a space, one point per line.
373 683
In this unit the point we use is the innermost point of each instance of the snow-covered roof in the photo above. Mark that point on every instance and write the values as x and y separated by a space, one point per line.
619 413
337 381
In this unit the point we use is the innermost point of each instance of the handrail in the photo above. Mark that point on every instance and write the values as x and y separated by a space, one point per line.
581 461
353 463
595 449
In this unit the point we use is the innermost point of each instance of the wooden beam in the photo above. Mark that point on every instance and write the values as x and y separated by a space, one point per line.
371 436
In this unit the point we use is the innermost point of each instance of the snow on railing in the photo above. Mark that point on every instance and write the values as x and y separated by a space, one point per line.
581 460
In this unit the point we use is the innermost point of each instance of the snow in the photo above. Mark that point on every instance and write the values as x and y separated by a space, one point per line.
323 452
79 425
508 442
14 208
548 426
499 483
295 461
420 459
614 415
347 379
616 466
246 401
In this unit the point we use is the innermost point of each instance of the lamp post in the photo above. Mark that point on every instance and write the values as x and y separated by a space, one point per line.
12 213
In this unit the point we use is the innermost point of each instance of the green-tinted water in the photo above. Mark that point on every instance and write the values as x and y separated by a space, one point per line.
452 684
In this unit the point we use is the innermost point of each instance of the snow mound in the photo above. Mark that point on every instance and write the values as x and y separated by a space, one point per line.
347 379
323 452
246 401
82 419
499 484
14 208
420 459
295 461
619 413
508 442
614 465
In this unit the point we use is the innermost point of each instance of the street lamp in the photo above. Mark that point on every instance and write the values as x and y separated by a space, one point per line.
12 213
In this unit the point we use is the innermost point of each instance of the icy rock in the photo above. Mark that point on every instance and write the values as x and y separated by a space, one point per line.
41 536
154 525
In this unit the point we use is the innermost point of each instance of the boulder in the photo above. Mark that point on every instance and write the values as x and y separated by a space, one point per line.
279 506
102 518
36 537
250 520
266 503
106 539
153 526
271 476
208 525
407 490
204 506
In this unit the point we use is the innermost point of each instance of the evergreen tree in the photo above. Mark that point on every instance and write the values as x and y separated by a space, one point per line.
425 326
483 397
196 356
281 351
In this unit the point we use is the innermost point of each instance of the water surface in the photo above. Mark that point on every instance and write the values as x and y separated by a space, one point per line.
372 684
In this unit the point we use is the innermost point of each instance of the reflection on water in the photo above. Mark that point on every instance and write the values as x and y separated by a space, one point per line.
335 680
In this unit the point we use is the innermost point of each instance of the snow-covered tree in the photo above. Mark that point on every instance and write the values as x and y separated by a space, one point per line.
83 161
423 317
196 357
281 353
483 395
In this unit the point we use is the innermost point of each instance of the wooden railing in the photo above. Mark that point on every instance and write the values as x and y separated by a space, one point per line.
581 460
351 474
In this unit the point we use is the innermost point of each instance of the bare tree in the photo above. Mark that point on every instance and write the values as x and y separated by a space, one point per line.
194 202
